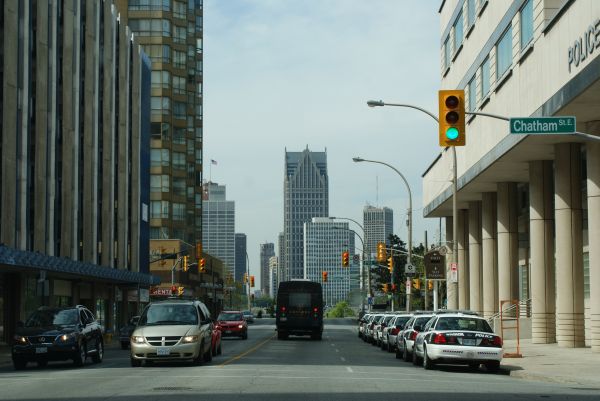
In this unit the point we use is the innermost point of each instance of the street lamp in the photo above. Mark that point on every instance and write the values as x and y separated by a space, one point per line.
452 286
409 257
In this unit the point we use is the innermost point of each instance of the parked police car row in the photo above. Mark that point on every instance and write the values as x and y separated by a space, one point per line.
431 338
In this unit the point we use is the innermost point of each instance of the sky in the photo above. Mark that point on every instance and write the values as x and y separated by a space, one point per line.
287 74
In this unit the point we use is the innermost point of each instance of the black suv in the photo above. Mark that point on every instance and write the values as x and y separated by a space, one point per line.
58 334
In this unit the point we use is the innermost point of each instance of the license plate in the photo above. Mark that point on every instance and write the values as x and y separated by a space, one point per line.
227 331
162 351
41 350
469 341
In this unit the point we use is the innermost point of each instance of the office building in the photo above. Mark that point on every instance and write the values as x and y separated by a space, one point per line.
170 32
378 223
240 256
218 225
324 242
267 250
528 221
74 156
273 273
306 195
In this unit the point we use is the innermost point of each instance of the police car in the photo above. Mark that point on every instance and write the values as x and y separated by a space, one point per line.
459 338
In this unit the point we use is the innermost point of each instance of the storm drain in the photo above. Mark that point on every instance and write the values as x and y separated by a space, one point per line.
168 388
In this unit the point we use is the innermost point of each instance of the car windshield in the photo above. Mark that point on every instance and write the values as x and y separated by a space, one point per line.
247 312
230 316
168 314
463 323
53 317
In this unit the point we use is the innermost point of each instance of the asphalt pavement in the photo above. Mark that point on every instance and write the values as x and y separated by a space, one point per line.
341 367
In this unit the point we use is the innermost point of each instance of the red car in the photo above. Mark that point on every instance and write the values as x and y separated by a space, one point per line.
216 341
232 324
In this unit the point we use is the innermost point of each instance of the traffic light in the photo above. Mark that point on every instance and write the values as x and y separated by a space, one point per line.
452 117
345 259
390 264
185 263
324 276
385 288
394 288
180 290
430 285
245 278
198 250
251 281
381 252
173 290
417 284
202 266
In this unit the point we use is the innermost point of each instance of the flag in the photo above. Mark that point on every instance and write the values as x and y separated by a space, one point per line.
213 162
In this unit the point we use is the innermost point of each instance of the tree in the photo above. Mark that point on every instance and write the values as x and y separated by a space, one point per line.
341 309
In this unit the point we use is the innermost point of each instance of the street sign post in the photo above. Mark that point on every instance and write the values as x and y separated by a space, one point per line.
543 125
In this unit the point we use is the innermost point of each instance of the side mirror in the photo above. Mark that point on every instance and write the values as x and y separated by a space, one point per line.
20 323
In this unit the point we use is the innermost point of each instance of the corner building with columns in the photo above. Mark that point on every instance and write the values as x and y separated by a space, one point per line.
528 221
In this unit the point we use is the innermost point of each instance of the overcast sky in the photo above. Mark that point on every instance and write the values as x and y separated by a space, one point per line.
295 73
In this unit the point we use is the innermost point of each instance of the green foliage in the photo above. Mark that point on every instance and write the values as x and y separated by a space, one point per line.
341 309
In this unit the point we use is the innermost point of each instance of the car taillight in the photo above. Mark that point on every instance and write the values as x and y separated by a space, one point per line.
395 331
439 339
413 335
497 341
283 308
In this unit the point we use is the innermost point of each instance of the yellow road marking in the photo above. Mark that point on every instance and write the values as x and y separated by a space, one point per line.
243 354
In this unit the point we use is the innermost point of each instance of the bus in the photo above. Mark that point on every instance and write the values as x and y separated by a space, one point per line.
299 309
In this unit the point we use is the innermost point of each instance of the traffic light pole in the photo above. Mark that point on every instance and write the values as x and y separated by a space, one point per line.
248 275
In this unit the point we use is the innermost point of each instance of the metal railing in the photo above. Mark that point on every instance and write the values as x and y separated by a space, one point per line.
524 310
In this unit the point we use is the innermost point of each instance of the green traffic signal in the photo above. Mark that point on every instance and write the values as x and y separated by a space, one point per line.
452 133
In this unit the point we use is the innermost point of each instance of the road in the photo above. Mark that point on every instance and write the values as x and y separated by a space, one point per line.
341 367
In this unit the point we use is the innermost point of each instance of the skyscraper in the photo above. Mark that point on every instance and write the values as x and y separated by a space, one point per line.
218 224
324 242
170 33
306 195
273 273
267 250
240 256
379 224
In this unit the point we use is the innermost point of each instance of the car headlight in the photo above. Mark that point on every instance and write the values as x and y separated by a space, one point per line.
20 340
66 337
189 339
241 326
137 339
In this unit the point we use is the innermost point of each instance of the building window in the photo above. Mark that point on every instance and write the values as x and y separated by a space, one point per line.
447 56
458 32
198 24
179 160
150 27
190 147
179 186
161 79
159 183
179 10
144 5
159 209
504 53
526 23
160 105
472 91
158 53
179 34
178 211
485 78
179 136
159 157
160 131
179 59
471 12
179 110
179 85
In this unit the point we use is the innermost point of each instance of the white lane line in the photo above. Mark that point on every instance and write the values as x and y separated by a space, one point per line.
349 369
337 350
343 359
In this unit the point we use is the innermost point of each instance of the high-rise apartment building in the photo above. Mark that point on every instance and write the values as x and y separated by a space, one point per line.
267 251
170 32
218 225
74 161
379 224
306 195
240 256
324 242
273 273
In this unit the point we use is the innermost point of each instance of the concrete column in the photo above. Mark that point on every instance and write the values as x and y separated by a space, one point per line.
541 243
569 245
593 191
463 260
508 242
475 301
451 290
489 253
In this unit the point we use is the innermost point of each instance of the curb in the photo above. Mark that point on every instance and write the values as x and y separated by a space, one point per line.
523 374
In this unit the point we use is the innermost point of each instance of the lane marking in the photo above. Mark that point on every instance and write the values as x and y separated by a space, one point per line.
343 359
337 350
349 369
235 358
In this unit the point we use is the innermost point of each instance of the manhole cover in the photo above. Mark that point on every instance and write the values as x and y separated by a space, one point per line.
171 388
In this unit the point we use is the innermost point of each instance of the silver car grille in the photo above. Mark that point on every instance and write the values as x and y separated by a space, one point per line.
163 341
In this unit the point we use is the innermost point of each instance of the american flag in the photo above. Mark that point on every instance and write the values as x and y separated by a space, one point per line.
213 162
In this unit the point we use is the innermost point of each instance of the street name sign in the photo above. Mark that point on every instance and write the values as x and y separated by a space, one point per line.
543 125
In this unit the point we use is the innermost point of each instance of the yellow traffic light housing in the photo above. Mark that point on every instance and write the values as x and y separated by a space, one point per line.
430 285
245 278
381 252
417 284
185 263
324 275
390 264
345 259
180 290
202 266
452 117
251 281
198 250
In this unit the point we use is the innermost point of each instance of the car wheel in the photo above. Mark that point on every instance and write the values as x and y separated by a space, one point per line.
281 335
124 345
135 363
42 363
428 364
19 363
245 336
316 336
415 358
99 354
219 350
474 365
405 354
492 366
81 355
208 355
398 354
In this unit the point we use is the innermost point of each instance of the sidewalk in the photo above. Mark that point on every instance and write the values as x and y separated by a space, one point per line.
551 363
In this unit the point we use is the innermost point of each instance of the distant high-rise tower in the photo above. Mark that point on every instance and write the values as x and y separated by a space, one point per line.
379 224
273 272
306 195
267 251
218 224
240 256
170 33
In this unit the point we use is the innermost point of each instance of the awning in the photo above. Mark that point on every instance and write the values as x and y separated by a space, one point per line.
14 259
